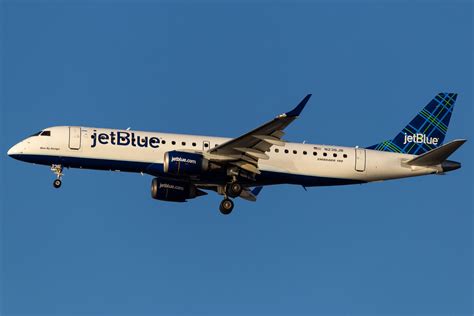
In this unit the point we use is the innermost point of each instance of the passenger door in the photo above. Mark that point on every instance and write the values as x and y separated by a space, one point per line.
74 137
360 159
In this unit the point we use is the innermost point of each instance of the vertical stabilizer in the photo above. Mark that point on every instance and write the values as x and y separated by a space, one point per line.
426 131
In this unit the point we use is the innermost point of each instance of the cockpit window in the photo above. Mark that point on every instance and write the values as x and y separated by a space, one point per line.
35 134
46 133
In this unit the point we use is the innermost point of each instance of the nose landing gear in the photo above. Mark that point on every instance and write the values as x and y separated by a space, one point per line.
58 171
57 183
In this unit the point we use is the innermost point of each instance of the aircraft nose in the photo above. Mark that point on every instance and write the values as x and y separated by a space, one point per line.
15 150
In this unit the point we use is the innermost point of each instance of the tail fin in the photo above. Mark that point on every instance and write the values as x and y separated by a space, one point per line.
426 131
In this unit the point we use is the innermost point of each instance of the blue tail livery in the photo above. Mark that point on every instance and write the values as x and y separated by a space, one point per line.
426 131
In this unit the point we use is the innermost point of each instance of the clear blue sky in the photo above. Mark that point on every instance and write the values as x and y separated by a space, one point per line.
101 246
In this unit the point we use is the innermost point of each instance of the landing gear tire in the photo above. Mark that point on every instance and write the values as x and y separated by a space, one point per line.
226 206
57 183
234 189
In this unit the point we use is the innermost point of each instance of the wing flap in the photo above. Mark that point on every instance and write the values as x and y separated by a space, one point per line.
253 152
272 140
246 166
251 195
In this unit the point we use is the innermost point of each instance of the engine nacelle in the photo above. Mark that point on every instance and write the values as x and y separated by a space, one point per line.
174 190
184 164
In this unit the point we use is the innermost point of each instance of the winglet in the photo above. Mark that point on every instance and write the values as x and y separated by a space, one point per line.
256 190
297 110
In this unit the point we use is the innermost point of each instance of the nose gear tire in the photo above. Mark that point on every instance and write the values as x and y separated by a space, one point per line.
57 183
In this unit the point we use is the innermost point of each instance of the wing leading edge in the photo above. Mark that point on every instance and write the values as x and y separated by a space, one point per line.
245 151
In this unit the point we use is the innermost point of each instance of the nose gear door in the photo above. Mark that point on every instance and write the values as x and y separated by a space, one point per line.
74 137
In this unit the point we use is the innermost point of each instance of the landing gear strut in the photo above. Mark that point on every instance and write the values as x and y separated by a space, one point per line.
230 190
58 171
226 207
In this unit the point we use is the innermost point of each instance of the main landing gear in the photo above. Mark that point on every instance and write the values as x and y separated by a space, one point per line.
234 189
231 190
226 207
58 171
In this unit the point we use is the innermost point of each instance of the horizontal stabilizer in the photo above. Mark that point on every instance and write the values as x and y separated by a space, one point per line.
438 155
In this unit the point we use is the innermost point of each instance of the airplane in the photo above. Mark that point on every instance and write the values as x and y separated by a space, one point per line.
184 167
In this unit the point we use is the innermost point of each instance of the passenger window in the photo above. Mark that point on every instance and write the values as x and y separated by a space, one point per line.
206 145
194 144
314 153
334 155
305 153
46 133
325 154
345 156
277 150
173 142
295 152
286 151
163 141
183 143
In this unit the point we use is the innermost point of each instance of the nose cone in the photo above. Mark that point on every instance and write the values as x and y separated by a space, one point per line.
14 151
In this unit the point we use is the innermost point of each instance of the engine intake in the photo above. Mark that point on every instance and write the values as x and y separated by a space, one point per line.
174 190
184 164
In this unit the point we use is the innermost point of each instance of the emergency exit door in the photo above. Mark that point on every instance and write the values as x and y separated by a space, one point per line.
74 137
360 159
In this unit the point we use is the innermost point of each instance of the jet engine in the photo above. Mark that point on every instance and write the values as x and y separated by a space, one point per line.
184 164
174 190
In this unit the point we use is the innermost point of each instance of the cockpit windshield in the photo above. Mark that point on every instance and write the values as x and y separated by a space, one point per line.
42 133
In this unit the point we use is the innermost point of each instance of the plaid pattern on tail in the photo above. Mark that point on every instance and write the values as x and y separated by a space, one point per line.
426 131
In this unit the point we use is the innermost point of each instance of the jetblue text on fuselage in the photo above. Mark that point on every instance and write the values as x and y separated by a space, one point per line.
420 139
124 139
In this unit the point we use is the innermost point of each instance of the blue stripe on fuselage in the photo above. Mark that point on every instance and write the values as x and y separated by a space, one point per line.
265 178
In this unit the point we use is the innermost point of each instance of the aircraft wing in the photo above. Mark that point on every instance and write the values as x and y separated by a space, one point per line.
245 151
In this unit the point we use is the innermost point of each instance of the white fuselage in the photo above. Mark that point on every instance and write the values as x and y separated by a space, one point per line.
138 151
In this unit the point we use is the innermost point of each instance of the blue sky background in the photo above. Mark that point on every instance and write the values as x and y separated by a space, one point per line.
101 246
